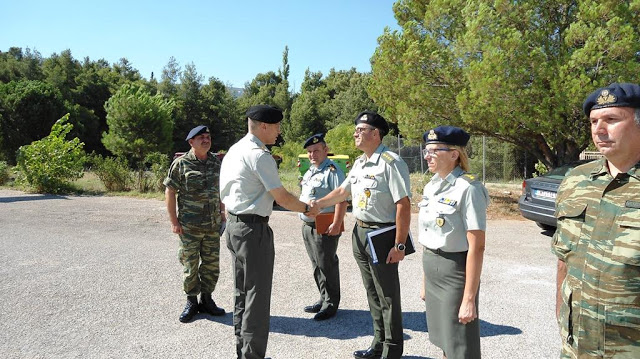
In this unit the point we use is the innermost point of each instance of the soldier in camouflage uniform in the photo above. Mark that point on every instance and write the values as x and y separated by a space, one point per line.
598 237
194 178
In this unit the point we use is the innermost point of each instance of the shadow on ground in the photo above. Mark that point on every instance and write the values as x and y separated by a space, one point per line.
30 198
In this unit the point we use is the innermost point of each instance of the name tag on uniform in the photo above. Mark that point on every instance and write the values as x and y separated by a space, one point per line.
632 204
448 202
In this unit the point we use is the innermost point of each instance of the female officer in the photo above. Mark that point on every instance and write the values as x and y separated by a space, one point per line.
452 224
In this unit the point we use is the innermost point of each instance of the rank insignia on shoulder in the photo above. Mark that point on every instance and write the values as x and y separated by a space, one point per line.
448 202
388 158
632 204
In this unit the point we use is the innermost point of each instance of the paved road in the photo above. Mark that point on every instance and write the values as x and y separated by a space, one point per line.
98 277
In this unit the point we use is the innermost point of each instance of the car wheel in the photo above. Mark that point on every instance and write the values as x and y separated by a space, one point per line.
546 227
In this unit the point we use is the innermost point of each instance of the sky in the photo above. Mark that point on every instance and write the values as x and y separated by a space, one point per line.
232 40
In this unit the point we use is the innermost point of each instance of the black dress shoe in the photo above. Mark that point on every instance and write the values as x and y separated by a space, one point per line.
369 353
208 305
324 314
190 310
313 308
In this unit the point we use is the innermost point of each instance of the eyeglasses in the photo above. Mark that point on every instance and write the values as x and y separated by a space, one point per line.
433 152
360 130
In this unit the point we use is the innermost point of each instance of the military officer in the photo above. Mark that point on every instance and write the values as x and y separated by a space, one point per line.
379 187
452 226
598 236
322 177
194 177
249 183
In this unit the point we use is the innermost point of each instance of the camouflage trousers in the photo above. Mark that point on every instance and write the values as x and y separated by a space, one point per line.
199 254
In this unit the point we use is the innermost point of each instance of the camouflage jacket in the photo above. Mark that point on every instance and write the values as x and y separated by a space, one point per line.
197 186
598 237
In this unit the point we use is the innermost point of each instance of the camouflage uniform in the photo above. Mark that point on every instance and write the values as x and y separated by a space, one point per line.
598 237
198 196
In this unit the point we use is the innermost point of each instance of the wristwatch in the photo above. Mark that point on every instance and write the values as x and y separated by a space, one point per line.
306 208
400 247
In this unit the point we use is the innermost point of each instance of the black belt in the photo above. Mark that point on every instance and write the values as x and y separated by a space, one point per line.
247 218
364 224
441 252
310 224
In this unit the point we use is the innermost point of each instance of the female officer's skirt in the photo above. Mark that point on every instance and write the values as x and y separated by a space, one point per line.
444 287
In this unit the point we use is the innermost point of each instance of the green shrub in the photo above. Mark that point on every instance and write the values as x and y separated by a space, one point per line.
113 172
48 165
157 165
4 172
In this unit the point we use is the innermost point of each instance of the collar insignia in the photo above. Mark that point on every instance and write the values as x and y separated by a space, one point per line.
432 135
606 98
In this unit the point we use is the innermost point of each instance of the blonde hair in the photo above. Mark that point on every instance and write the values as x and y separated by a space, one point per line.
463 158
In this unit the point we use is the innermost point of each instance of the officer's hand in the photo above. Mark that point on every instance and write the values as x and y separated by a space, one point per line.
176 228
334 229
467 313
314 209
422 291
395 256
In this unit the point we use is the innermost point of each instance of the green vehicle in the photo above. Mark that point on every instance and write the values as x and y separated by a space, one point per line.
341 160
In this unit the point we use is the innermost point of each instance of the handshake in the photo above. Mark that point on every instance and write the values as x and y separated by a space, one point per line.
313 209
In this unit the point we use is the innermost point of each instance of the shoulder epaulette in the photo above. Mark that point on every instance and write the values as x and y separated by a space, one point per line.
388 157
469 177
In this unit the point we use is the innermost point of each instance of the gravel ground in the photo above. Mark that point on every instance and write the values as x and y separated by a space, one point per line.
98 277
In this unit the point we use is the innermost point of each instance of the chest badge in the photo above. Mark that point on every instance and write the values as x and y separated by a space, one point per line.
440 221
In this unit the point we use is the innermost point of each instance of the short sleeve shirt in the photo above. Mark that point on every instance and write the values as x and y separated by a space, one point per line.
196 186
317 182
449 208
247 175
376 184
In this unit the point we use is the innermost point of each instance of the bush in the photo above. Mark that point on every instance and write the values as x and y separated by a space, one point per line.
113 172
49 164
4 172
158 166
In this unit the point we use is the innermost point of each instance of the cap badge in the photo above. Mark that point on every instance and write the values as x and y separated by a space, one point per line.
432 135
606 98
315 140
364 118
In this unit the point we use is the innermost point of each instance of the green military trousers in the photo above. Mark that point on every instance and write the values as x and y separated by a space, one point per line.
199 254
326 266
252 255
382 284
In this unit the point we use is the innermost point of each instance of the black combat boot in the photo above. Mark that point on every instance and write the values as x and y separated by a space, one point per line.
207 305
190 309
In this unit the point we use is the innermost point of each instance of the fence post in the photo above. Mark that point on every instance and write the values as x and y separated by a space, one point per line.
483 159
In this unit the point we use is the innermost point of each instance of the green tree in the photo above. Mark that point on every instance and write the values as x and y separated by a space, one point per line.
138 124
516 71
308 112
168 85
50 163
28 109
221 113
17 65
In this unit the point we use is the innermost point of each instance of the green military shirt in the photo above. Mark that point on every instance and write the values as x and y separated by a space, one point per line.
376 184
317 182
598 237
450 207
196 185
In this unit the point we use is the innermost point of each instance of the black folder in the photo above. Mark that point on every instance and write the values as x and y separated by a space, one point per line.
382 240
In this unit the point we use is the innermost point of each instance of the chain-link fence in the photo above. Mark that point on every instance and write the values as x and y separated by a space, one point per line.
490 159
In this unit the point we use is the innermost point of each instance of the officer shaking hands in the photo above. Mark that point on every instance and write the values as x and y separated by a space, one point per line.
249 183
379 186
322 177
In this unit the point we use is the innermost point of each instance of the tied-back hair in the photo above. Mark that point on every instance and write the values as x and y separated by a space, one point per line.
463 158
